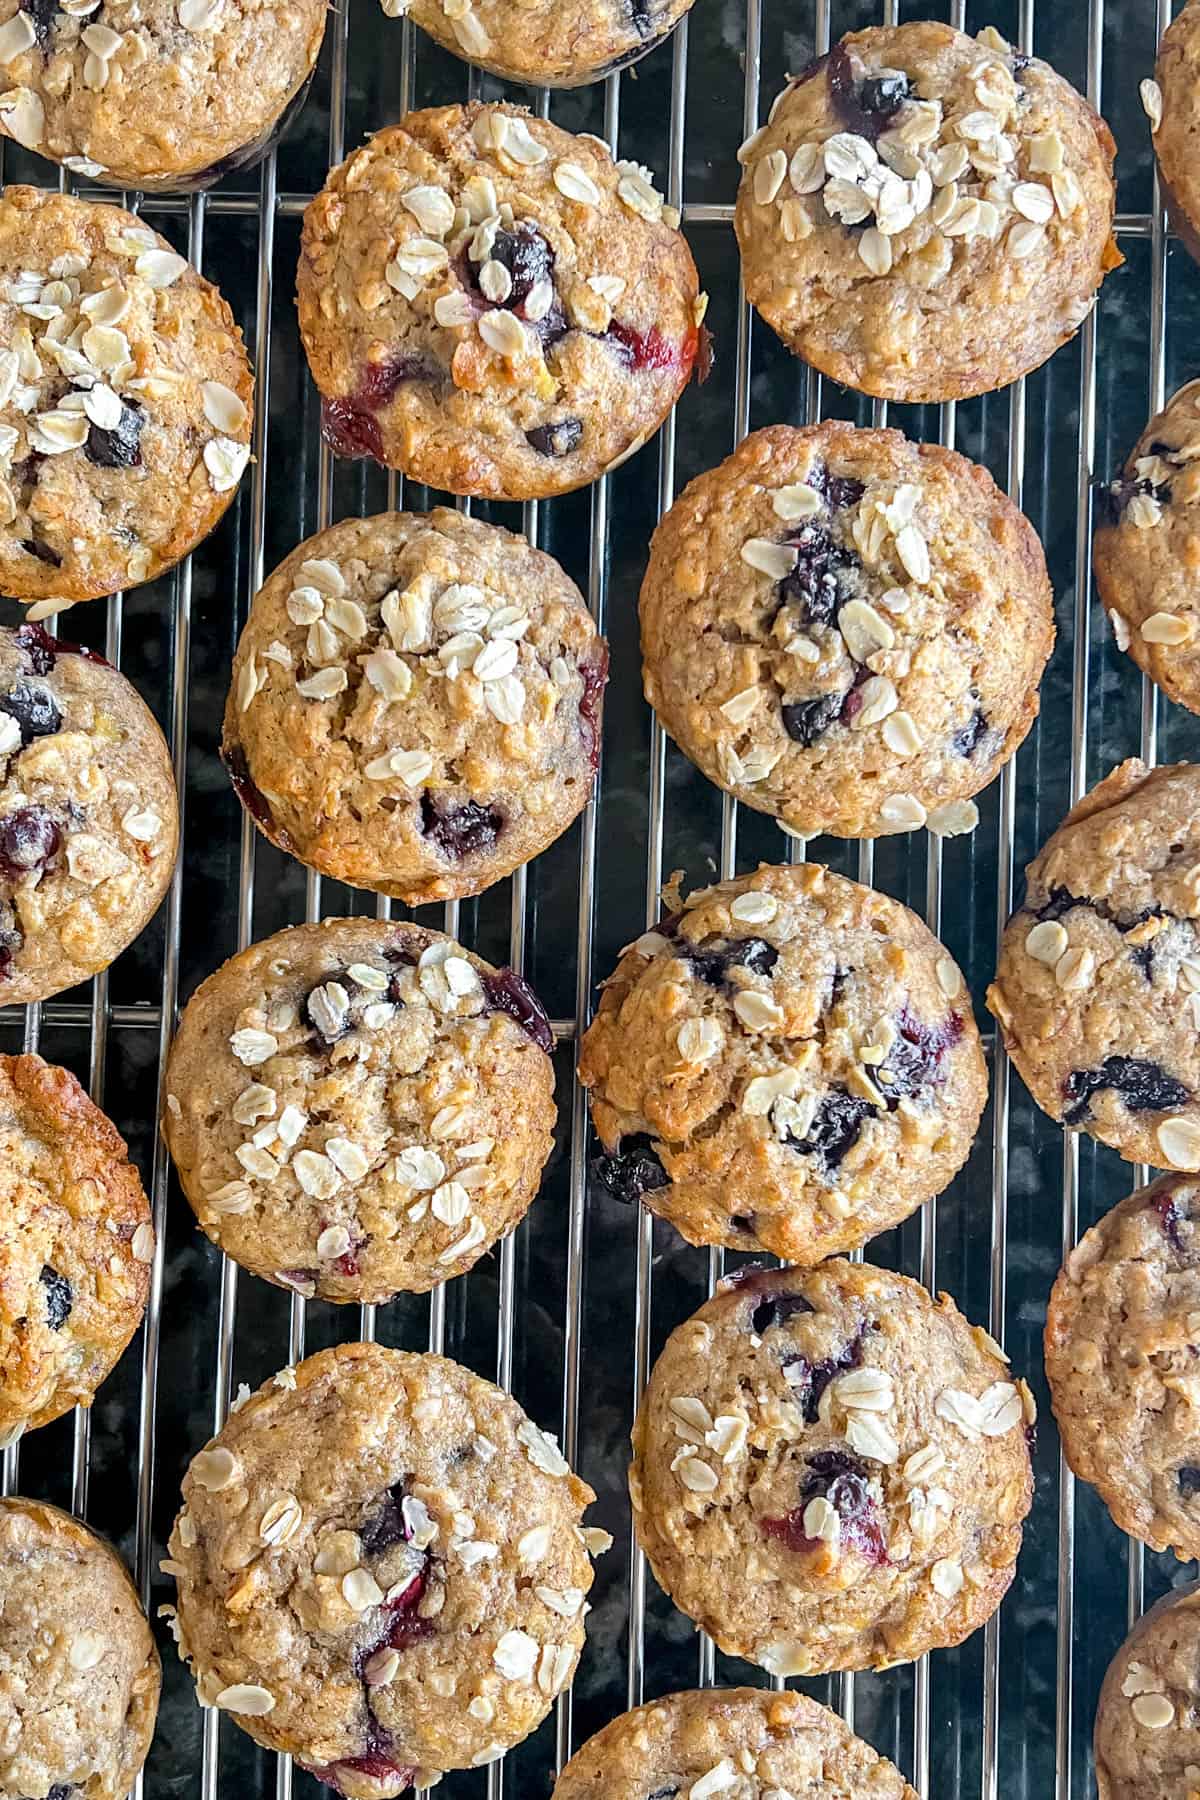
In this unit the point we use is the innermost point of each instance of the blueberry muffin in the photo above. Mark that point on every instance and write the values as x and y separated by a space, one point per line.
830 1469
788 1064
358 1108
847 630
542 44
1098 986
493 305
1147 550
124 401
415 704
80 1673
89 823
926 215
381 1569
159 93
744 1742
76 1244
1147 1739
1172 101
1121 1337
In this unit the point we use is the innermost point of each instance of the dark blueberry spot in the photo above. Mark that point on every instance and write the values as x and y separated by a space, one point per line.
459 831
250 795
1171 1217
1060 901
812 586
1189 1480
350 430
34 710
59 1297
1020 62
1144 1086
348 424
375 1762
1143 956
120 448
836 1128
558 439
808 1381
41 17
916 1057
842 1480
866 107
509 993
43 552
385 1527
1114 496
639 13
807 720
594 671
380 380
43 650
967 739
29 839
643 349
528 258
633 1169
743 1222
405 950
712 966
837 491
775 1310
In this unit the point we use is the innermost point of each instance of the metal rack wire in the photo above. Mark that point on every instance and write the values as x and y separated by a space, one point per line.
1015 1703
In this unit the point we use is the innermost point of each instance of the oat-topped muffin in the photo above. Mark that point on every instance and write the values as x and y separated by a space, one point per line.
847 630
1147 550
154 93
546 43
1098 985
926 215
1147 1737
790 1064
415 704
79 1673
830 1469
124 401
382 1569
1172 100
493 305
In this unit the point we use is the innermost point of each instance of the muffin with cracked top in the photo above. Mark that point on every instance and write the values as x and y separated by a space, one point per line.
744 1742
81 1673
1098 985
830 1469
789 1063
1147 549
125 397
926 215
358 1107
76 1244
382 1569
846 629
495 306
415 704
1121 1335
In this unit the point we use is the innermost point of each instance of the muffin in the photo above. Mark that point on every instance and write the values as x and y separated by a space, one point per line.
1147 550
1172 102
76 1244
81 1673
788 1064
381 1569
89 823
124 401
1121 1332
1099 968
160 95
415 704
358 1107
545 45
1147 1738
926 215
780 1743
847 630
830 1469
493 305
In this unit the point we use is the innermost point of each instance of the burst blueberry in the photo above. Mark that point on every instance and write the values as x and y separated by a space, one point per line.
633 1169
1144 1086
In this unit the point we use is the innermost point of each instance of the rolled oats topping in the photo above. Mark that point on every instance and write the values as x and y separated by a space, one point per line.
358 1597
847 630
945 216
792 1075
858 1523
124 401
415 704
387 1130
88 815
1147 1741
495 306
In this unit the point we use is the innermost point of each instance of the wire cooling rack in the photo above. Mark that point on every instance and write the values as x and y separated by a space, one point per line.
570 1311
